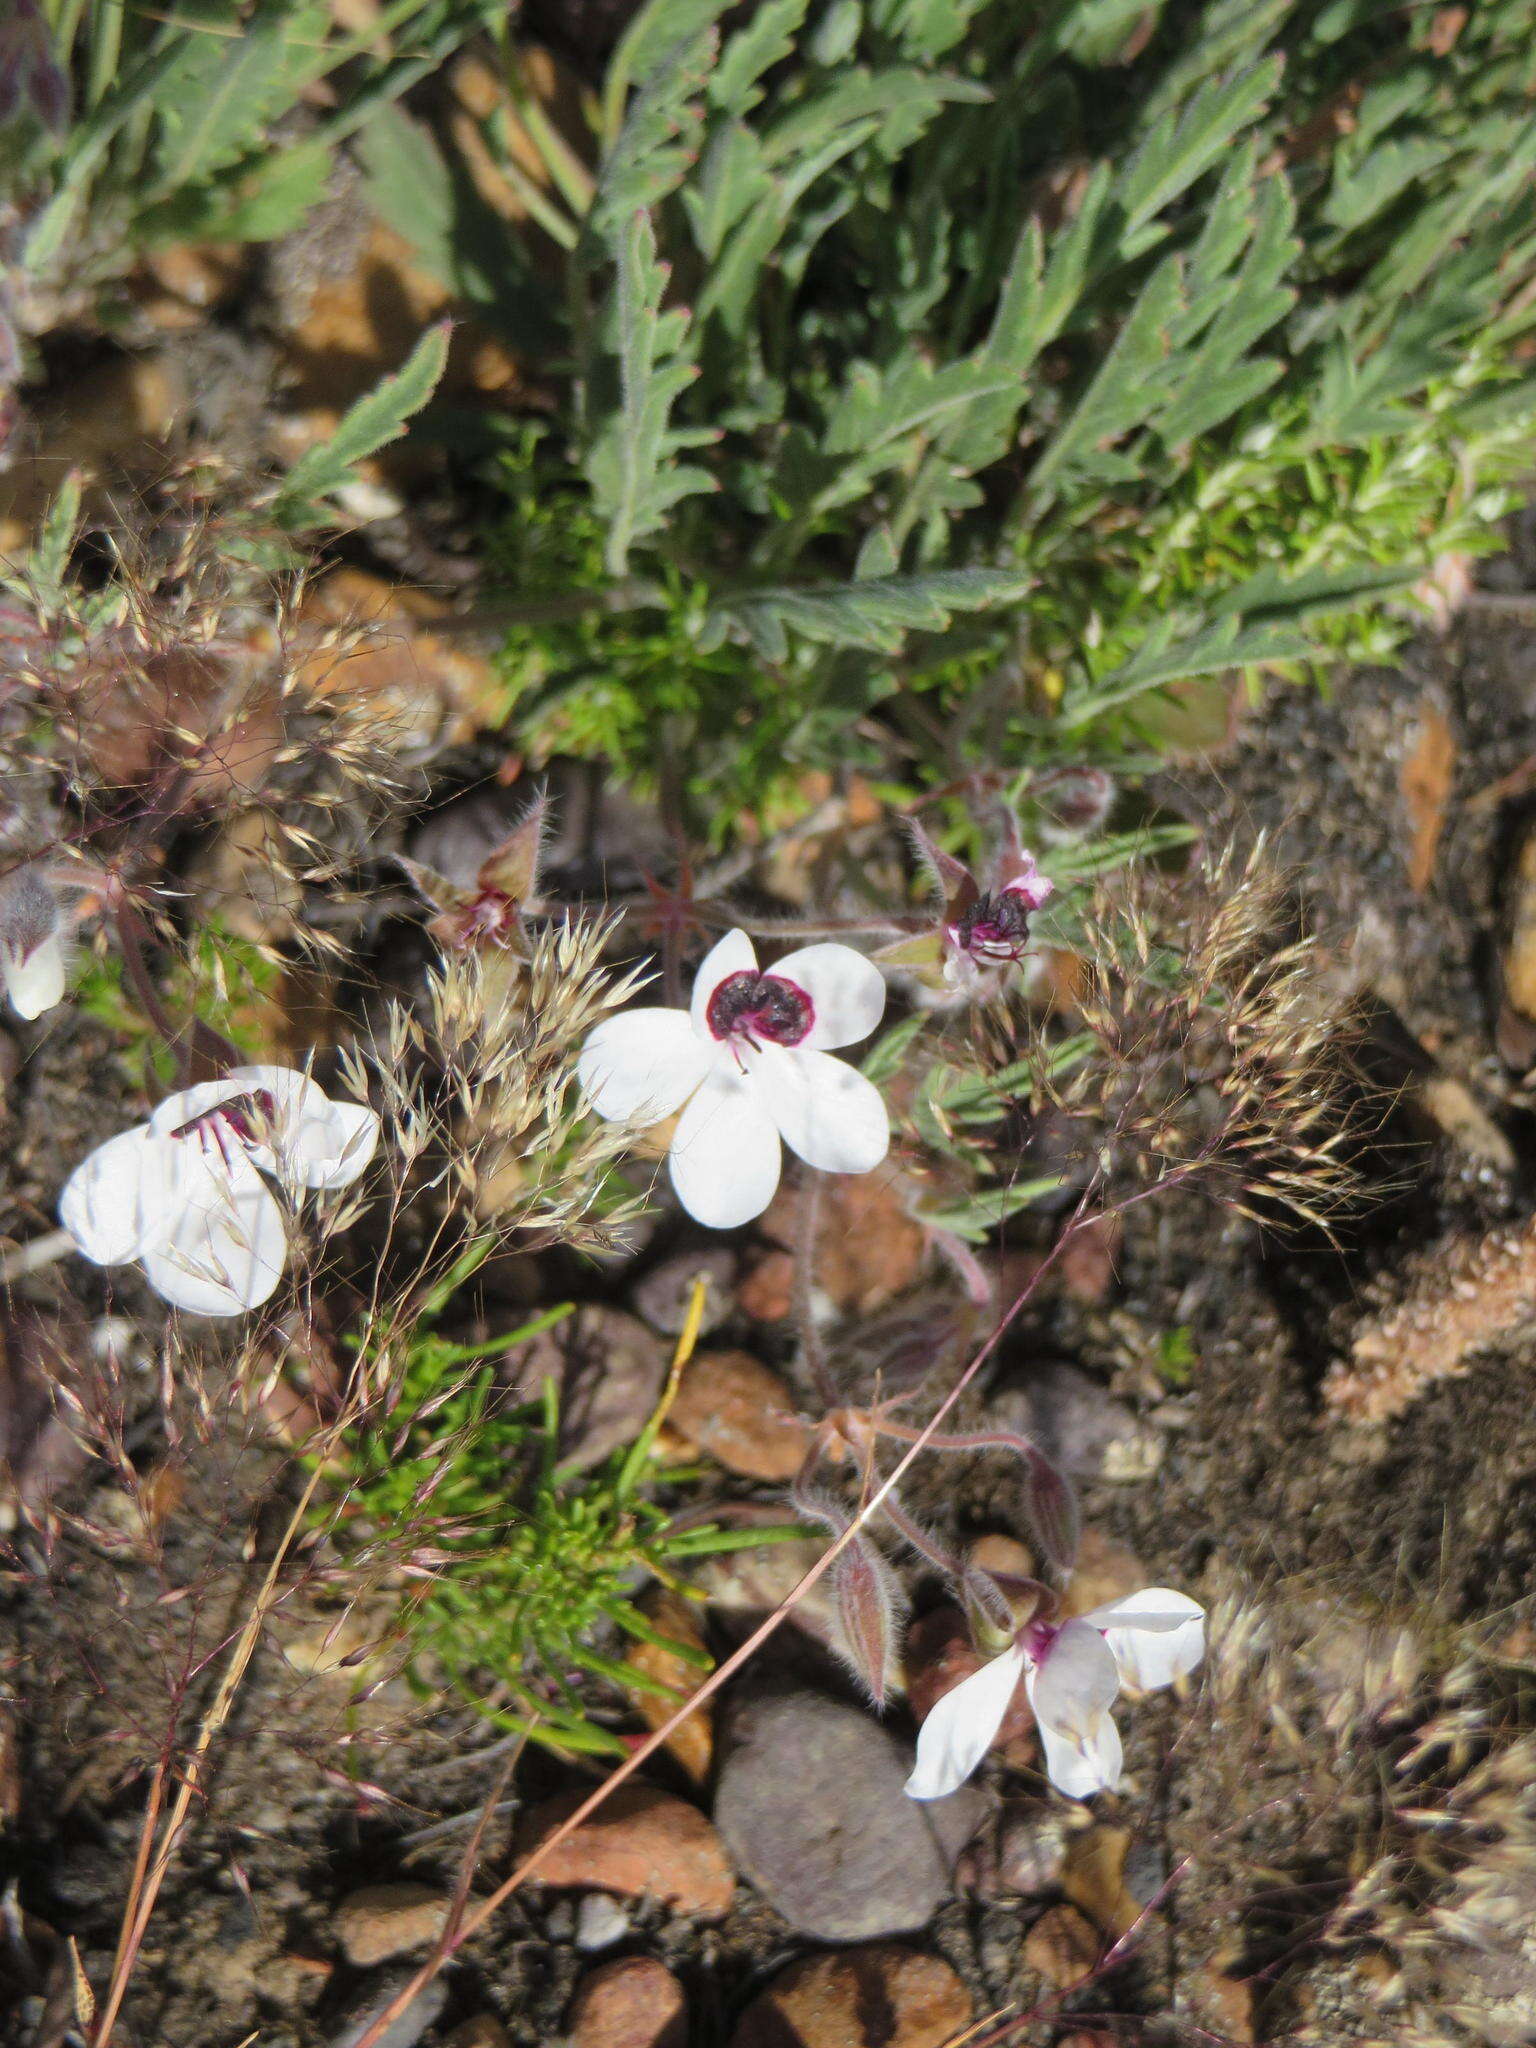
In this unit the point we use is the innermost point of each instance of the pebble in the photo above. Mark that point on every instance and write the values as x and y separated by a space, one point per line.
481 2030
811 1806
428 687
610 1370
732 1406
868 1248
1106 1570
663 1295
423 2011
747 1584
386 1920
1063 1946
641 1844
600 1922
1079 1425
1093 1878
635 2002
880 1996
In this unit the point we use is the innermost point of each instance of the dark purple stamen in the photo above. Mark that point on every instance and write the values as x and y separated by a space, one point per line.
235 1117
757 1006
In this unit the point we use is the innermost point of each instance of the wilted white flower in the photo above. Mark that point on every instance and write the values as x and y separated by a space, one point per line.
32 932
748 1066
184 1195
1072 1672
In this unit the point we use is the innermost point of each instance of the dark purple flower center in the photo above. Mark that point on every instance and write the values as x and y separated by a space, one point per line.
247 1119
760 1006
996 927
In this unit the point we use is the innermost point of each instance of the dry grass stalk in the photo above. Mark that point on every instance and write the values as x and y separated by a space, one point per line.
1465 1296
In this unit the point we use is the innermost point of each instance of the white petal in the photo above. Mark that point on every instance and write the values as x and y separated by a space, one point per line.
825 1110
962 1726
725 1156
847 992
34 981
1084 1764
731 955
125 1194
642 1065
227 1248
1155 1636
1074 1684
331 1148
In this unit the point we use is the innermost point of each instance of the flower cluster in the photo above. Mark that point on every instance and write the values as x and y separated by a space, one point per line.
1072 1672
979 933
186 1196
748 1065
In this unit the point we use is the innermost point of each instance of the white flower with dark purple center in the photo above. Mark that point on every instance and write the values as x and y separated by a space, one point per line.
1072 1673
749 1065
186 1195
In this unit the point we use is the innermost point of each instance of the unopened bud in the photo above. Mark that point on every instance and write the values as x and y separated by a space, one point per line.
1075 803
31 943
1050 1506
869 1604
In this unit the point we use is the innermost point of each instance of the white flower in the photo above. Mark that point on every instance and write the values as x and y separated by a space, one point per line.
31 943
748 1065
1072 1673
184 1194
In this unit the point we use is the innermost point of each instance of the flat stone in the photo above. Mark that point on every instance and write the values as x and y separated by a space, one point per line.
881 1996
639 1843
386 1920
635 2002
811 1806
662 1296
735 1408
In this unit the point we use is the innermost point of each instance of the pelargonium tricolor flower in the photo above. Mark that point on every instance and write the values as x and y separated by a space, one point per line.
1072 1672
186 1196
980 933
33 930
749 1065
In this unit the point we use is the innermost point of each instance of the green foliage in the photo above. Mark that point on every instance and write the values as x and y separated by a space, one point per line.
226 981
188 121
377 418
531 1590
1158 347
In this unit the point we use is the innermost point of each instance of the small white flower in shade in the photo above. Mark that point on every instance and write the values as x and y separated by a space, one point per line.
186 1197
748 1065
1072 1673
32 932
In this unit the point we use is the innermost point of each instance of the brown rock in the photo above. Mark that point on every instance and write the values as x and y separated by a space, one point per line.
1225 2004
732 1406
384 1920
633 2003
880 1996
868 1248
1520 953
676 1618
1063 1946
641 1844
480 2030
609 1369
1093 1878
111 423
1105 1570
1004 1554
767 1291
178 286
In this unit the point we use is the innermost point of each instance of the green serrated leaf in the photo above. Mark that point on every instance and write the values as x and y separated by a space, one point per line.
370 424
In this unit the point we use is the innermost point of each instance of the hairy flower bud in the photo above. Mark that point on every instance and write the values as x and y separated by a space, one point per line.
32 934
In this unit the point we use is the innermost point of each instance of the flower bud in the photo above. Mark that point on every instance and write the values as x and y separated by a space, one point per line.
32 932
